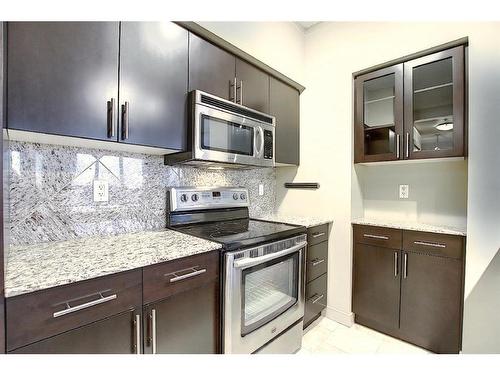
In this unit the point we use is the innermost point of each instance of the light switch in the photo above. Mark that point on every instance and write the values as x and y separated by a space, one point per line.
100 191
404 191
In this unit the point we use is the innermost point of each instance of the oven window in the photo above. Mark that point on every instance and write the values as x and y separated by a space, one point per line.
226 136
269 289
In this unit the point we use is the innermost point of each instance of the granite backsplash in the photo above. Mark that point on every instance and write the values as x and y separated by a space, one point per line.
51 191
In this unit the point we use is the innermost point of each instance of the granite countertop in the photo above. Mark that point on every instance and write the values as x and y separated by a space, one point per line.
45 265
412 225
306 221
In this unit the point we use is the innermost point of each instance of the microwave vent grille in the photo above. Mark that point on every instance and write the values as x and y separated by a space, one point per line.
235 109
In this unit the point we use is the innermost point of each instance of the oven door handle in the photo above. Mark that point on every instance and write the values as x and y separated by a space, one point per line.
249 262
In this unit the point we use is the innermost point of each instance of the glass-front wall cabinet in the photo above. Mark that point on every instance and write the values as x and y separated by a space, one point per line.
378 115
413 110
434 105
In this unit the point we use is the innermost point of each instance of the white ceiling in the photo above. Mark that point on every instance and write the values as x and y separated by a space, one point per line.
306 24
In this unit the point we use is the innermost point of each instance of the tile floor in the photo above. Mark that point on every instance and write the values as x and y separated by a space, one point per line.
325 336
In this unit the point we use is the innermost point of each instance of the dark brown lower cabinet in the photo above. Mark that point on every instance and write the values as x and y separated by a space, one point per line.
410 285
316 273
114 335
376 282
431 294
184 323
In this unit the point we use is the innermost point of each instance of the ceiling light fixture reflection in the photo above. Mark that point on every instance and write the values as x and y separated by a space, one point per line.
216 168
444 126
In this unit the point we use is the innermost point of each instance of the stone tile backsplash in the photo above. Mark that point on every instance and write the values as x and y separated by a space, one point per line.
51 191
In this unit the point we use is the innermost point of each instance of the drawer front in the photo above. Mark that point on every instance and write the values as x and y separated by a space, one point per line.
169 278
315 298
444 245
317 261
36 316
378 236
317 234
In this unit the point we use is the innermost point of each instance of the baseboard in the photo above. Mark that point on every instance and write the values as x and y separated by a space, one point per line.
341 317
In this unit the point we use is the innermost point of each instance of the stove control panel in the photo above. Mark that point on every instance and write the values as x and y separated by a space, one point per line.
192 198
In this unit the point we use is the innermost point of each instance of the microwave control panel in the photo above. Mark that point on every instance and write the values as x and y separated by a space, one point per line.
268 144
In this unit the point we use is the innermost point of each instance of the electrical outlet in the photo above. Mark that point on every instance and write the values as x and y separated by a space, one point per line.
261 189
100 191
404 191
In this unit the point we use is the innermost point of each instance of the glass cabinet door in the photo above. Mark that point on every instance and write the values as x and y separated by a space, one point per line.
379 119
434 105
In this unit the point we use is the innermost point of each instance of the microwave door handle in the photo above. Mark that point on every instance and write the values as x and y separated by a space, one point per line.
259 133
249 262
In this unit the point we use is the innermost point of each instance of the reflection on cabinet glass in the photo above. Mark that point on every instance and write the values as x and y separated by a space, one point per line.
434 105
379 115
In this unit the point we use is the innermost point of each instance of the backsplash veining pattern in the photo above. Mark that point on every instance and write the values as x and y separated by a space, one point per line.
51 191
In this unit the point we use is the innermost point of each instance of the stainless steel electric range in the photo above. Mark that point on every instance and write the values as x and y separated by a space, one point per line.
262 266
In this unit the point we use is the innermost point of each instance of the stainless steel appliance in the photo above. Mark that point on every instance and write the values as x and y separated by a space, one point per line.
262 268
226 134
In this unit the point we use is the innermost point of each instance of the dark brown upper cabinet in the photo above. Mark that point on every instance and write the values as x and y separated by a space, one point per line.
211 69
412 110
284 105
62 78
252 86
153 84
434 105
379 115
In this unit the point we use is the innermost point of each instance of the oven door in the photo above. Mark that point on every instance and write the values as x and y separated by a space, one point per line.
228 138
263 297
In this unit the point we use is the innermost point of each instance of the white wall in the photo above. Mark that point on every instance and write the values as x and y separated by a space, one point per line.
437 192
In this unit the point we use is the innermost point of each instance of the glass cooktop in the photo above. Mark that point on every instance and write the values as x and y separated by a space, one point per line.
235 234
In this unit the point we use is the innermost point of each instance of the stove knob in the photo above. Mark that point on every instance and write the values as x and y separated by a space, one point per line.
235 196
184 198
194 197
243 196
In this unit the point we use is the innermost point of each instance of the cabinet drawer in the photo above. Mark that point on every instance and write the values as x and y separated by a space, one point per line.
444 245
35 316
378 236
315 298
317 261
166 279
317 234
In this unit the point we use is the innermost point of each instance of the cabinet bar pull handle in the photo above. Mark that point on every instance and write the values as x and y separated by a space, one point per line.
375 236
232 89
111 118
315 262
72 309
125 114
397 145
317 299
241 93
407 145
153 329
137 324
316 235
396 263
187 275
405 268
432 244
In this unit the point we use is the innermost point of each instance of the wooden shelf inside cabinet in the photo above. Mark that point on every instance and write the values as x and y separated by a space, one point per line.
378 127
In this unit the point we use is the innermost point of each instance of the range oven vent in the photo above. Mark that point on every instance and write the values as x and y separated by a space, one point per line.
236 109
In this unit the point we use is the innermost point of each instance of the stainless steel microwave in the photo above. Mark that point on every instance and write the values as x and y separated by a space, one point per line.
226 134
